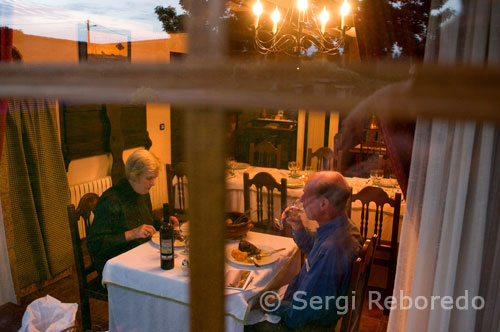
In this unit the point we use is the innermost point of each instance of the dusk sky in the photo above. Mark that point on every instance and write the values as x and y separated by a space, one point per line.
63 18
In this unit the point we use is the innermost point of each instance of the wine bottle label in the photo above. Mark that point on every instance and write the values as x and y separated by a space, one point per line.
166 247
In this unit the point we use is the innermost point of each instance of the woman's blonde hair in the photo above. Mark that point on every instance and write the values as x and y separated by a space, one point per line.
139 162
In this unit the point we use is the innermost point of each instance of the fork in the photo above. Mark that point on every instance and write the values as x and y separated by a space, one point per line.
253 261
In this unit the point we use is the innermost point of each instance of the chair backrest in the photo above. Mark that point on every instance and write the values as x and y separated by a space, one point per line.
358 286
176 189
260 181
324 156
267 154
86 206
380 198
87 287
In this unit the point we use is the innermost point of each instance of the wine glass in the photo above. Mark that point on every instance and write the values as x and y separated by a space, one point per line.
297 208
292 166
230 161
308 171
185 238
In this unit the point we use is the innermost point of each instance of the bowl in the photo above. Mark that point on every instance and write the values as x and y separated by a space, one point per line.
239 229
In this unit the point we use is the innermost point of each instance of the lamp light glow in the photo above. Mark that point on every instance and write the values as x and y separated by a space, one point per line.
275 17
345 8
324 17
302 5
257 8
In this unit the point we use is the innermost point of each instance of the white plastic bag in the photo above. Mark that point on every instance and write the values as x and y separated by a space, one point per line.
48 314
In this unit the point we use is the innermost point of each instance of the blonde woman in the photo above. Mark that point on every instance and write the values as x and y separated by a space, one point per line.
123 218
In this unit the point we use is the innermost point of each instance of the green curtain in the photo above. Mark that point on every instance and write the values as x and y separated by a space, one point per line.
39 191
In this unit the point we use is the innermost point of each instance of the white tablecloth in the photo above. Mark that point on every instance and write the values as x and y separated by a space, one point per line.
143 297
235 200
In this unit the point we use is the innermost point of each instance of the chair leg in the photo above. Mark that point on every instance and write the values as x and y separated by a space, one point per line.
85 309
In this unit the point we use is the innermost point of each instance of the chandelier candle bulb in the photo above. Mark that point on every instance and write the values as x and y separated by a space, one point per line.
323 19
302 6
257 10
344 10
276 17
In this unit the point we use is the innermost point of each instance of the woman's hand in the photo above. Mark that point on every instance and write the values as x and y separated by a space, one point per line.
140 232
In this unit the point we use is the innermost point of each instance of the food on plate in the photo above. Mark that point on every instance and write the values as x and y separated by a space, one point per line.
239 255
248 247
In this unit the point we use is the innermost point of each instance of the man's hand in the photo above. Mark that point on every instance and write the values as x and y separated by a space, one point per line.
292 217
140 232
174 221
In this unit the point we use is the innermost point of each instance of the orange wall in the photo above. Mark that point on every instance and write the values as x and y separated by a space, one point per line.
36 49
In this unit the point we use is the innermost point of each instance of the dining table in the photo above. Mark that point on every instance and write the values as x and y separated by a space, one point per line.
143 297
295 188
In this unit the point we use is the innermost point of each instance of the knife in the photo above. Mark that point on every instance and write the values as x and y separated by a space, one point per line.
265 254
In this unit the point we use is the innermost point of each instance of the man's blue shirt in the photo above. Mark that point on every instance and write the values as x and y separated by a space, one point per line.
324 276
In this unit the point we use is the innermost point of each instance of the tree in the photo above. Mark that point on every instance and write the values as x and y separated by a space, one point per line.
170 20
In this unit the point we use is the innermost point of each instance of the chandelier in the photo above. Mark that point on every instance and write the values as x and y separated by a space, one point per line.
303 30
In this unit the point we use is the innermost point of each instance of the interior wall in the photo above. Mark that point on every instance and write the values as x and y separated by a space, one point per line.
315 130
334 128
158 114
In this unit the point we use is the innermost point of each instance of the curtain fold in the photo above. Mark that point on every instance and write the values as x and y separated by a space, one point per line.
39 191
398 139
7 293
450 235
5 56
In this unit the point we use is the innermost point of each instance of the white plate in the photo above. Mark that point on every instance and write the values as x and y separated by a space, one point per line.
266 260
156 240
240 166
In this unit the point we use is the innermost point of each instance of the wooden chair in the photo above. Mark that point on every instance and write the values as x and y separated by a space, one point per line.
358 285
325 157
176 189
89 288
267 154
260 181
386 251
86 206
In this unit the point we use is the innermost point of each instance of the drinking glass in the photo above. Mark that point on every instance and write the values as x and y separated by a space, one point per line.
297 208
376 176
292 166
184 238
230 162
308 171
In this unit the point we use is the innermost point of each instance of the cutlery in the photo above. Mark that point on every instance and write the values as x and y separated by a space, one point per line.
248 284
271 252
252 258
237 220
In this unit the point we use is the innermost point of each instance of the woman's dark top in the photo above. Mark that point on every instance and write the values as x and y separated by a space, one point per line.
119 209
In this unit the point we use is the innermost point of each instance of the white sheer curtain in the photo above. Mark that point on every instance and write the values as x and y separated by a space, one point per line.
449 241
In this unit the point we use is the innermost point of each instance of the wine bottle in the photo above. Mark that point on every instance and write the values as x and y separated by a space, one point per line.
166 242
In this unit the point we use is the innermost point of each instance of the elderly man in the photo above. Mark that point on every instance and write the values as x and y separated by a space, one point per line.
310 302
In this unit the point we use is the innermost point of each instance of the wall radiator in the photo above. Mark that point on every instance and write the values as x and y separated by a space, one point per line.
158 193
